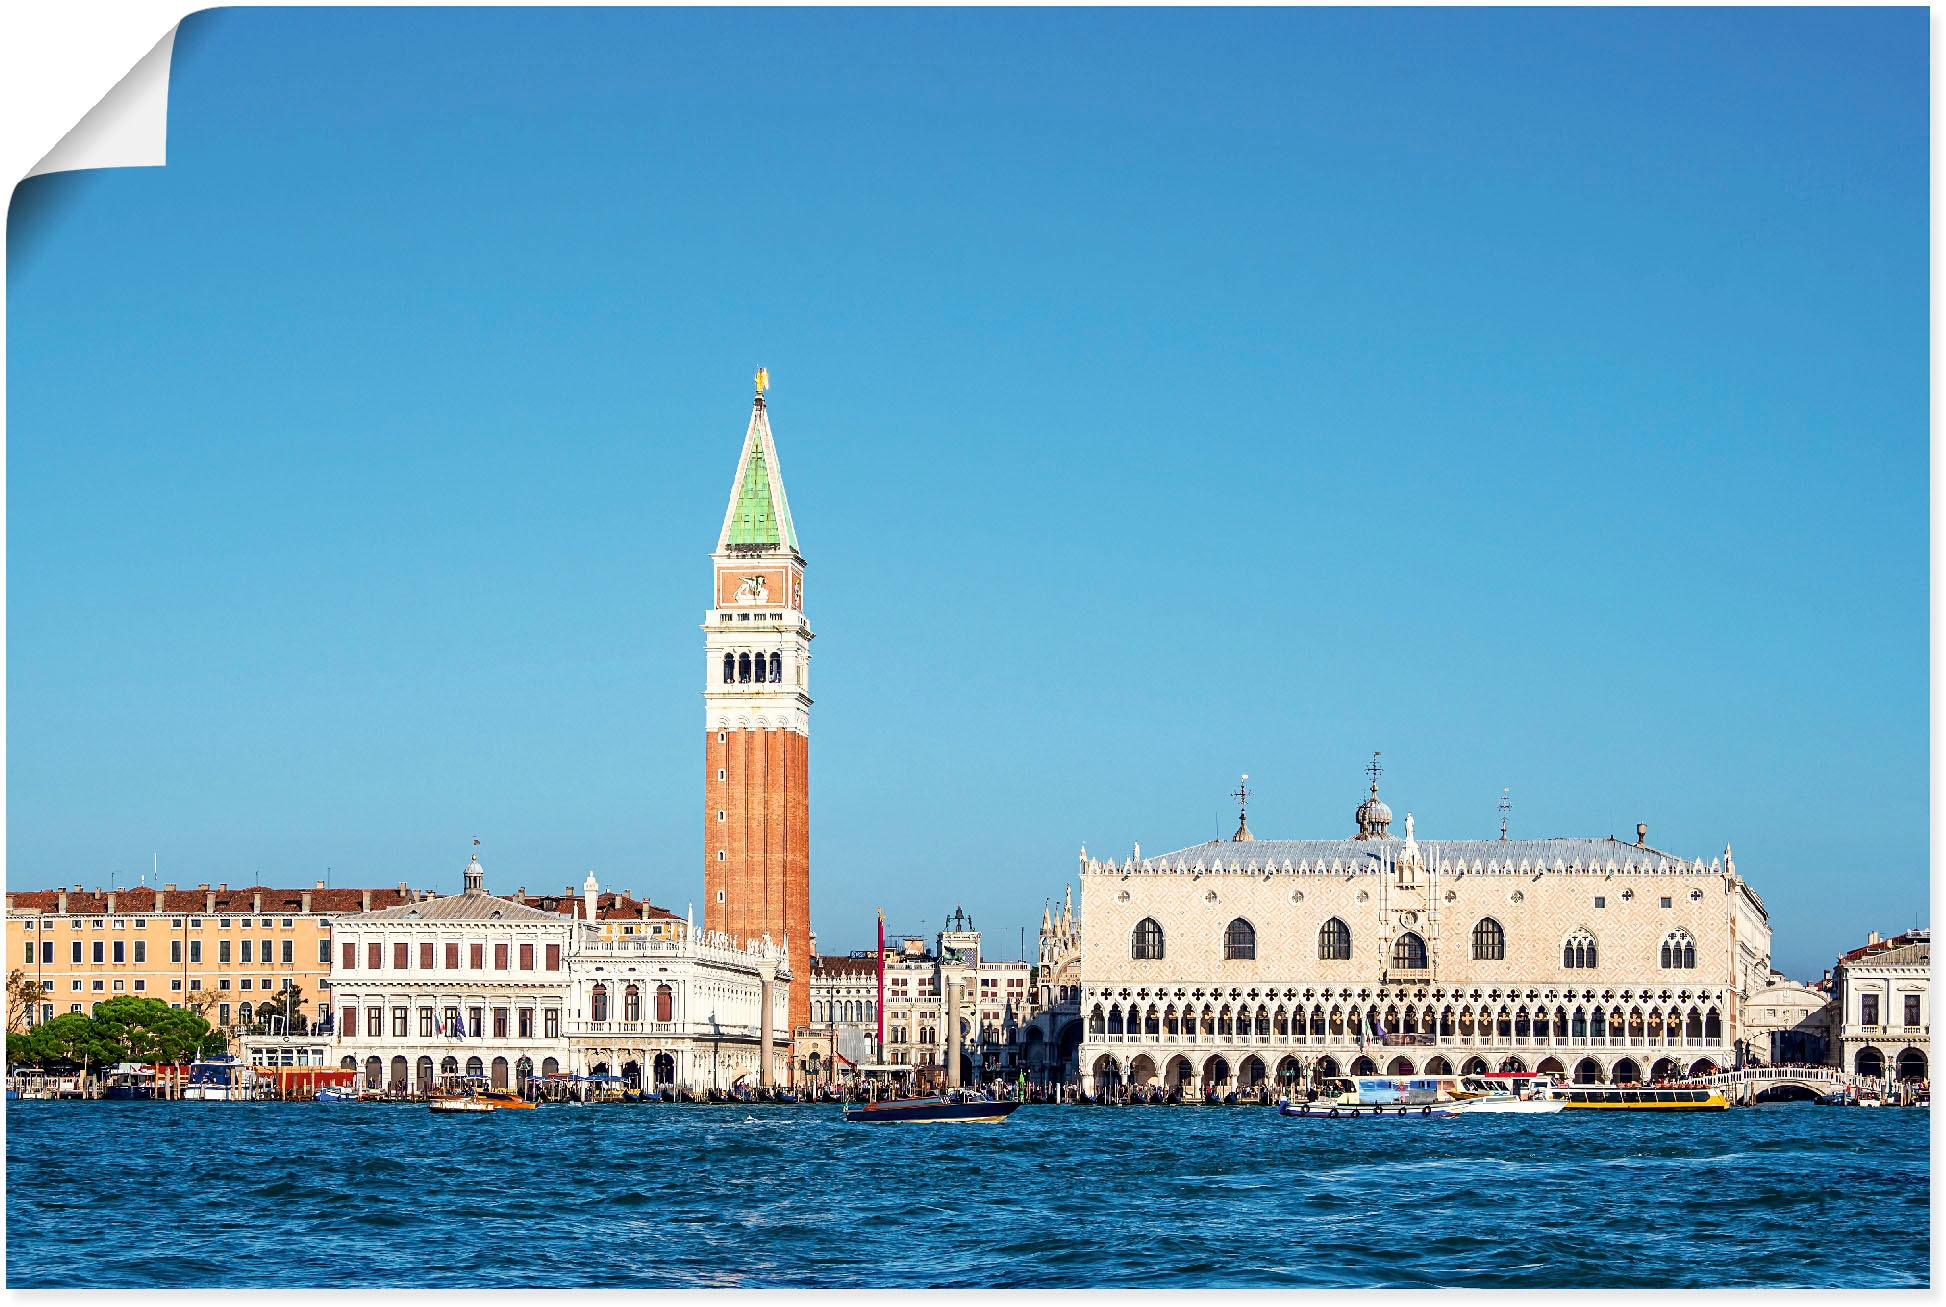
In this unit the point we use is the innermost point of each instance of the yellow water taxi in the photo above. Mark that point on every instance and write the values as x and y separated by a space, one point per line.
1630 1099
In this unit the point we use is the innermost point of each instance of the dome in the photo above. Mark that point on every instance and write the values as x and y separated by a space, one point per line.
1373 817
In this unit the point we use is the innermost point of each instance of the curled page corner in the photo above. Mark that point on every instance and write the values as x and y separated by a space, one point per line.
129 128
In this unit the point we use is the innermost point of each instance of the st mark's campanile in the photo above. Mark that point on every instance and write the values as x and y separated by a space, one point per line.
757 702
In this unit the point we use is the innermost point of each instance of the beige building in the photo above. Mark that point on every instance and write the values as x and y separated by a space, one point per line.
231 949
1235 962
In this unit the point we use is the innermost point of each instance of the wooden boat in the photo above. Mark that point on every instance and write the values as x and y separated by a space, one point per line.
469 1103
903 1110
338 1094
506 1099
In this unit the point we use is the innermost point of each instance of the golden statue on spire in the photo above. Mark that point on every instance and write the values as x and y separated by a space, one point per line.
763 380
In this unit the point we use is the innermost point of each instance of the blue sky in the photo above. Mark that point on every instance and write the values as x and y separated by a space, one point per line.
1539 397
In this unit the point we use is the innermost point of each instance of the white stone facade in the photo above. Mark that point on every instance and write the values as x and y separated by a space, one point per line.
1286 959
1883 998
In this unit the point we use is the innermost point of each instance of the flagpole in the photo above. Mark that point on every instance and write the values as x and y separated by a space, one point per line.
881 985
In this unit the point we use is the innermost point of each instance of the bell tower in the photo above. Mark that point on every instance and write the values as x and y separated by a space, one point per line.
757 706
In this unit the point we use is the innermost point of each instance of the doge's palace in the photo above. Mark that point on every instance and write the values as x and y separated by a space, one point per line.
1239 961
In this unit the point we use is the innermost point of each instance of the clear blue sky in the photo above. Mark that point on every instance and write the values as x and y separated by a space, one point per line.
1539 397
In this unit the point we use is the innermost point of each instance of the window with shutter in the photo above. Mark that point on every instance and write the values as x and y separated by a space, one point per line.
351 957
401 957
553 957
499 957
375 955
425 955
477 953
452 957
526 957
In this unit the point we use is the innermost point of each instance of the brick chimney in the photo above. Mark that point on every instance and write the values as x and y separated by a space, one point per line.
257 901
63 903
111 902
365 900
158 899
171 887
223 886
403 893
209 901
304 900
520 895
319 885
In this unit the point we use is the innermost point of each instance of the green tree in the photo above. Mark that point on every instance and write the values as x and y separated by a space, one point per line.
71 1038
288 1005
149 1030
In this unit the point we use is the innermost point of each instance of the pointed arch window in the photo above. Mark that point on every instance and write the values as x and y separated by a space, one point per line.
1679 949
1146 944
1334 941
1489 941
1409 953
1578 952
1240 941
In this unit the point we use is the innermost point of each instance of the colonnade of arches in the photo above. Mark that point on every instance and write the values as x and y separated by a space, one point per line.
745 668
416 1077
1696 1024
1219 1073
1911 1064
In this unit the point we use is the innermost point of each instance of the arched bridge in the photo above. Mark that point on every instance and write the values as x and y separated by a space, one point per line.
1754 1080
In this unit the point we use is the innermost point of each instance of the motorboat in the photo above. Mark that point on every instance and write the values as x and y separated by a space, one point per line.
936 1108
339 1094
467 1103
130 1081
221 1079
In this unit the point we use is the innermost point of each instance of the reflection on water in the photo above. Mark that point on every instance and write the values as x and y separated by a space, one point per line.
264 1194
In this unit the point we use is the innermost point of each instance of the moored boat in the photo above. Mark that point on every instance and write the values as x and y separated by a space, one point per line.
903 1110
459 1103
1634 1099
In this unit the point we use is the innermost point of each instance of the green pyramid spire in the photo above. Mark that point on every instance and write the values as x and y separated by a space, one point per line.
760 515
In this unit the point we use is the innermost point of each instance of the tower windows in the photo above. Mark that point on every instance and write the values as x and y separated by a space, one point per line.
1334 941
777 669
1240 941
1146 943
1489 941
1679 949
743 669
1578 953
729 668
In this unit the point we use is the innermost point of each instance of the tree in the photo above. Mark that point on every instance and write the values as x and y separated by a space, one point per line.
149 1030
71 1038
24 994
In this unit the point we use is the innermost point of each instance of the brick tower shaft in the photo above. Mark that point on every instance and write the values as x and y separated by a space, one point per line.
756 819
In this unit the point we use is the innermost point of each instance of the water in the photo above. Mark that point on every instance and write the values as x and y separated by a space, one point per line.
137 1195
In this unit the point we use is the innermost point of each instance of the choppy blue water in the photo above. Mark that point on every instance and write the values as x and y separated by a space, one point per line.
663 1195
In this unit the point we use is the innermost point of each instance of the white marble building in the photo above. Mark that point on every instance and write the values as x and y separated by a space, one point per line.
459 984
1882 992
1235 962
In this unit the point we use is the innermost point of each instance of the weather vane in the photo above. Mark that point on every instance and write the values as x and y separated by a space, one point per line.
1373 770
1506 806
1242 795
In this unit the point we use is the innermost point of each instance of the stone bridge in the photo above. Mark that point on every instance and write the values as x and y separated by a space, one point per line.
1754 1080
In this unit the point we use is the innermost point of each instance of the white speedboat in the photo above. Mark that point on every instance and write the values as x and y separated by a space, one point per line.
1507 1103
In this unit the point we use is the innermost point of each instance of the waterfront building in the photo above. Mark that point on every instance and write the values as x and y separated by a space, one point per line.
843 1030
757 710
953 1012
457 984
674 1007
1235 962
221 951
1882 996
